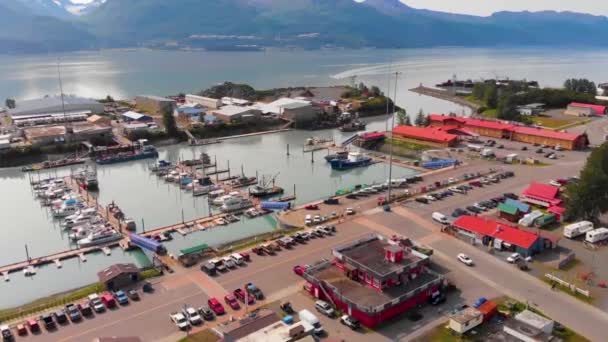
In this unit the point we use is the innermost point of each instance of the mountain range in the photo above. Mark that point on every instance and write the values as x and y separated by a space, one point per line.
60 25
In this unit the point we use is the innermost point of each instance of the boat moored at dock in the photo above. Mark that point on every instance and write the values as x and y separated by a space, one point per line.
99 237
355 159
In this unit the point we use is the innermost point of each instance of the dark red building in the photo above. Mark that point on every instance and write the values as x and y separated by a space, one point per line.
374 279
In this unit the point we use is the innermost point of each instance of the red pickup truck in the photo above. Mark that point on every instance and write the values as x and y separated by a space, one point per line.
240 294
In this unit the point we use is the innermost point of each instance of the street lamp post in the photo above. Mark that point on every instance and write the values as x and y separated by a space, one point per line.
390 163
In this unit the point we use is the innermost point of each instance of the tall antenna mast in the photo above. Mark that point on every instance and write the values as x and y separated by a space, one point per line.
61 89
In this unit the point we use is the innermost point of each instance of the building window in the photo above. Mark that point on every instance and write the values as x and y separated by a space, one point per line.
376 283
368 278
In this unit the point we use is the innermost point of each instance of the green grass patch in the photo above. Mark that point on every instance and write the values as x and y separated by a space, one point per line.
490 113
49 302
202 336
474 100
409 145
551 122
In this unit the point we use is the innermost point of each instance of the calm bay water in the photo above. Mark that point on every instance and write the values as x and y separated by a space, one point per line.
141 195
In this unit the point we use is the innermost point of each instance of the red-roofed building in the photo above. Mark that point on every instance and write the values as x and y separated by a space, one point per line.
558 211
568 141
542 194
431 135
499 235
585 109
506 130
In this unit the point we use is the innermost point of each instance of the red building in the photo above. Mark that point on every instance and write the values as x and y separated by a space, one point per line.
542 194
374 279
507 130
433 135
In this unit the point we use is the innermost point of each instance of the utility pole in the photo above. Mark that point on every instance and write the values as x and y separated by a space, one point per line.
390 163
388 95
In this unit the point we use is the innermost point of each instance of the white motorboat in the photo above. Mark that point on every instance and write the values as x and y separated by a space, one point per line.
29 271
87 212
252 212
222 199
172 176
200 190
65 211
99 237
82 220
235 204
217 193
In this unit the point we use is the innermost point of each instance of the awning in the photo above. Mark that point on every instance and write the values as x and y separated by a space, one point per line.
195 249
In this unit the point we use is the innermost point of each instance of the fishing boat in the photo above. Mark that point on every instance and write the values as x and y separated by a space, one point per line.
216 193
87 179
172 176
266 188
353 126
252 212
200 190
161 165
53 164
143 152
99 237
337 155
355 159
65 210
241 182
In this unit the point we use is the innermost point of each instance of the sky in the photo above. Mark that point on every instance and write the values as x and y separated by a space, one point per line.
487 7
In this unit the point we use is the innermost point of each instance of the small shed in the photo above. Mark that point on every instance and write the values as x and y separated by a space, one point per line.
131 116
119 275
558 211
523 208
508 212
99 120
536 320
465 320
488 310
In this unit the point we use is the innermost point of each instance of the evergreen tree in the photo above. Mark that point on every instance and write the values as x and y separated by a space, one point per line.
588 198
491 96
420 118
401 117
170 124
408 122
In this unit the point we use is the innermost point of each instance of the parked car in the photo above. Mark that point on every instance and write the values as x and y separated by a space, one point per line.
228 262
7 334
479 206
498 200
232 302
513 257
438 298
456 189
299 270
555 183
473 209
133 295
85 309
73 313
287 308
192 315
21 330
60 317
524 148
255 291
458 212
422 200
241 295
350 211
324 308
48 321
33 325
350 322
207 313
216 306
476 183
465 259
108 300
429 198
121 297
179 320
511 195
311 207
488 204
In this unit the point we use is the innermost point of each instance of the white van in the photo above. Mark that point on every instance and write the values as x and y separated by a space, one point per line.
529 219
311 319
597 235
237 258
487 152
573 230
439 217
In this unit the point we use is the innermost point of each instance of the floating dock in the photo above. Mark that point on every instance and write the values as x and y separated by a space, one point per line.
57 263
106 250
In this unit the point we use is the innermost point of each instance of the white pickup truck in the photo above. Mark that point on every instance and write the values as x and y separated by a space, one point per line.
180 320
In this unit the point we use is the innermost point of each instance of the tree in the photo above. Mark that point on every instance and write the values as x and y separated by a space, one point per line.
588 198
506 108
170 125
479 90
109 98
427 121
375 91
9 103
402 117
581 85
363 88
420 118
408 122
491 96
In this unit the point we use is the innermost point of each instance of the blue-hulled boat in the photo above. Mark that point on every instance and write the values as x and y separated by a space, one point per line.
355 159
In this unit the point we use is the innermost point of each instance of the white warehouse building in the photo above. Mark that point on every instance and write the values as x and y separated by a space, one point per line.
52 105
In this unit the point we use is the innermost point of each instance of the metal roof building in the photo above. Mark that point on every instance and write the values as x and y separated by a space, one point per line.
52 105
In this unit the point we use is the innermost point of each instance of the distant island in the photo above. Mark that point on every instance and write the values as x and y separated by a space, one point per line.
253 25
